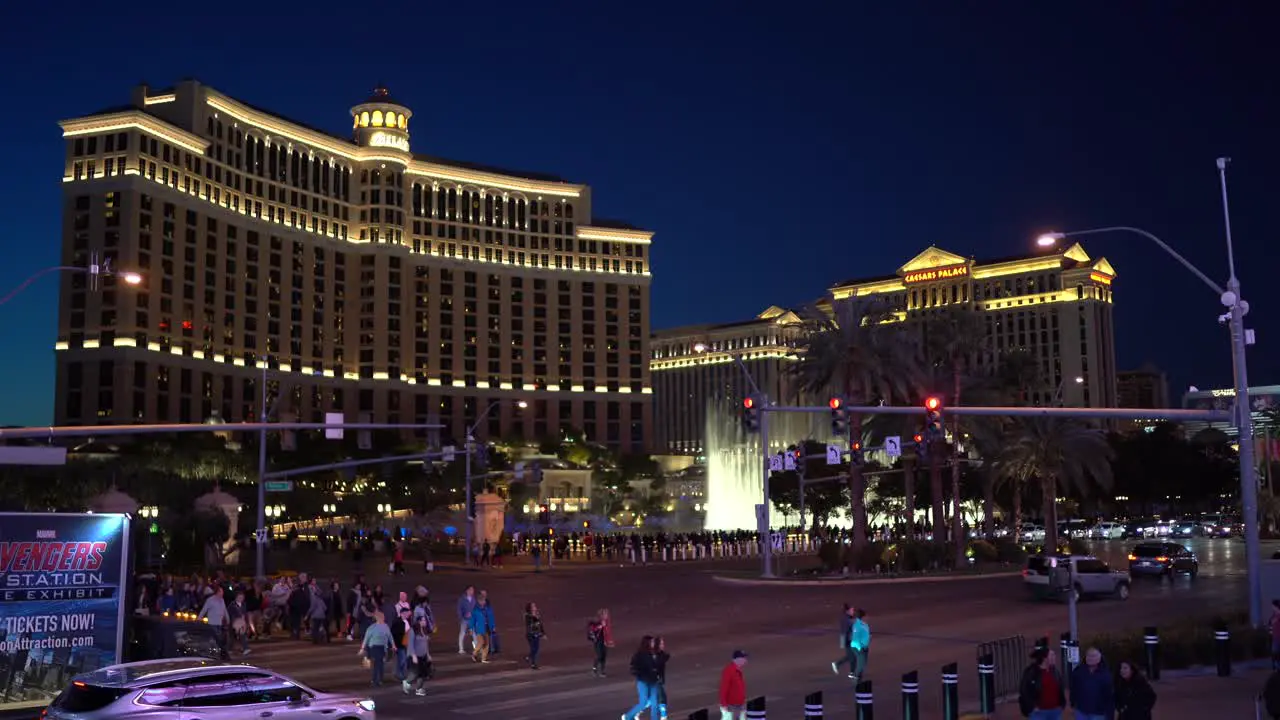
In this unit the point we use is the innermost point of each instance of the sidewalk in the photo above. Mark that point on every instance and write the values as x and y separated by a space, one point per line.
1209 696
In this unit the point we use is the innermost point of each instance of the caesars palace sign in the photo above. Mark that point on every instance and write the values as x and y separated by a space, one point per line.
943 273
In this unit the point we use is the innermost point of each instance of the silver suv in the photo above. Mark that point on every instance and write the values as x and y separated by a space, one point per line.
1055 576
193 688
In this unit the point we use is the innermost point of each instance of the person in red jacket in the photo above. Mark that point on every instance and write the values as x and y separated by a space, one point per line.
733 688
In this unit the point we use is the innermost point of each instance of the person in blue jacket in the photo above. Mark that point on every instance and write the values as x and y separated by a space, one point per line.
1093 693
481 624
859 644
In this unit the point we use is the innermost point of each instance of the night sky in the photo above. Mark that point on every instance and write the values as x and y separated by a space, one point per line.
774 148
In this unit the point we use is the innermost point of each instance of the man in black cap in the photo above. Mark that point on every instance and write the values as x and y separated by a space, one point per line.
733 688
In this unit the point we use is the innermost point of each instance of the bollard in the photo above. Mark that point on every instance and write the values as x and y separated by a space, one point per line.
1222 649
987 685
699 715
1151 641
755 708
951 692
813 706
862 693
911 696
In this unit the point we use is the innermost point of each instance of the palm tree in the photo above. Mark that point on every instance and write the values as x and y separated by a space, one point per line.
858 351
1011 466
953 340
879 427
1013 380
1061 452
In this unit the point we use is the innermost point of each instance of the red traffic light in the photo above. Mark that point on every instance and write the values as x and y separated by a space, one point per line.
834 403
857 446
932 403
918 437
748 403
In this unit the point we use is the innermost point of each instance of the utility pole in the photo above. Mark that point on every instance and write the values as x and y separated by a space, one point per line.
261 539
766 553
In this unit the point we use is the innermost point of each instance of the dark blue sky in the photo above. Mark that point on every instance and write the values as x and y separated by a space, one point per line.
774 148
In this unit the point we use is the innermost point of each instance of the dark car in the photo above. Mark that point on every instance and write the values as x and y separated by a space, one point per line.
153 637
1161 560
1184 529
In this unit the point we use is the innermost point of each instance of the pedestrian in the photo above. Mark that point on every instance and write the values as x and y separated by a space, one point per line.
238 614
847 655
374 646
644 668
419 658
485 550
402 639
1093 694
600 634
495 640
317 612
533 632
1040 692
733 688
661 656
481 623
859 644
1135 697
214 612
466 604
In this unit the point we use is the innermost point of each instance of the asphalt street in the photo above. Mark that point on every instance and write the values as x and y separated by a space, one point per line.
790 633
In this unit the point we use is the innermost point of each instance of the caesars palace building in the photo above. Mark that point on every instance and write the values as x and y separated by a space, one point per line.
1056 306
352 274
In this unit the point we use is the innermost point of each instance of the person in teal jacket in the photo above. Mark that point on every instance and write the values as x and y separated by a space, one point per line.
860 644
481 624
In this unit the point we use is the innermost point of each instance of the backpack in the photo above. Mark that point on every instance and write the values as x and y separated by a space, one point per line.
594 630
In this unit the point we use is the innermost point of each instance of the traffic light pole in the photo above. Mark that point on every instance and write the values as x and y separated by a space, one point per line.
766 546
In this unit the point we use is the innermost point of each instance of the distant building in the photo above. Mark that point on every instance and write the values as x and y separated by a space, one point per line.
1146 387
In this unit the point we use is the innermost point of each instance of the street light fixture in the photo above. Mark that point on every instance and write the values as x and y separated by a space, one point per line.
1237 308
95 270
471 440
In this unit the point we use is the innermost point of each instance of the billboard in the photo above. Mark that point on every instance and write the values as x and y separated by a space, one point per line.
62 600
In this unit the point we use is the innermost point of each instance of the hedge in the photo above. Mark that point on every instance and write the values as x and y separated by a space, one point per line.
1186 643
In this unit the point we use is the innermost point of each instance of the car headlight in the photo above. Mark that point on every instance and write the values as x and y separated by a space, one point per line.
367 705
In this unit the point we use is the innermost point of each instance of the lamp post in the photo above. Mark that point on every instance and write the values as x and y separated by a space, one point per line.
1057 396
471 431
95 270
1237 308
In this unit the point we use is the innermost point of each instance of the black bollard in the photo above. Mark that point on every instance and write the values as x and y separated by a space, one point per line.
862 693
699 715
951 692
987 685
813 706
911 696
755 708
1222 649
1151 642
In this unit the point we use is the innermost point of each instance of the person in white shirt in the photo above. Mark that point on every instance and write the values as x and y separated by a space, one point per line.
215 611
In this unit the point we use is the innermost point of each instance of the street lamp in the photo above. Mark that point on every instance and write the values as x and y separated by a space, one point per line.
1237 308
471 440
95 270
1057 396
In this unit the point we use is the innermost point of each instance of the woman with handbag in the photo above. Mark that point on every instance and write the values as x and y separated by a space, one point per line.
533 632
374 646
419 658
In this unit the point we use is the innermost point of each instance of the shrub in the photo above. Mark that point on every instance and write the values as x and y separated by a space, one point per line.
1077 546
1186 643
831 555
923 556
984 552
1011 552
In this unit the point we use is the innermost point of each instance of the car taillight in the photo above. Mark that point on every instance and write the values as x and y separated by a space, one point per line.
1132 557
1162 559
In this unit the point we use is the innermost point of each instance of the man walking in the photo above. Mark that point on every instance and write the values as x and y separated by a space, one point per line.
466 604
733 688
1092 692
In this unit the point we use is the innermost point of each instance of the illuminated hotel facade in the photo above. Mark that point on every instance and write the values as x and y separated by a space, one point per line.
363 278
1057 307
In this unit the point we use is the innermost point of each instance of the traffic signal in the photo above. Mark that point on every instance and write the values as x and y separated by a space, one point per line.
933 428
751 414
544 515
918 441
839 418
855 453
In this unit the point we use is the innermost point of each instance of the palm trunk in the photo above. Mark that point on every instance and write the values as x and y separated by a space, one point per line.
988 503
909 490
1017 512
1049 507
957 517
857 493
935 486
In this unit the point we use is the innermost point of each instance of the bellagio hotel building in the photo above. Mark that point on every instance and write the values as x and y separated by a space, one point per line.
354 275
1054 306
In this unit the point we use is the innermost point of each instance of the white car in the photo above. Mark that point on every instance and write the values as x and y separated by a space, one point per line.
1032 532
1108 531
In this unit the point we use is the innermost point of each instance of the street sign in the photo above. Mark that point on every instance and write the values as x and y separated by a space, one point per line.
788 462
447 453
261 533
279 486
333 433
833 454
519 471
32 455
776 463
893 446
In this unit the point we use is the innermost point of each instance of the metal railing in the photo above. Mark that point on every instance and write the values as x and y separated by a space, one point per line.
1011 656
